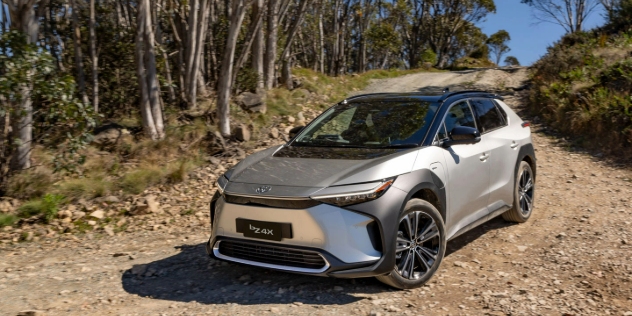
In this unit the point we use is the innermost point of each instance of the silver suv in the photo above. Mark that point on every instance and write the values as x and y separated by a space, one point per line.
376 186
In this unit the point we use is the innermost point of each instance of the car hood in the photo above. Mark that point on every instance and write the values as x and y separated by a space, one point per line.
291 171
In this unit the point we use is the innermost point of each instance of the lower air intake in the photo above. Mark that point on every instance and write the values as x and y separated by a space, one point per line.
272 255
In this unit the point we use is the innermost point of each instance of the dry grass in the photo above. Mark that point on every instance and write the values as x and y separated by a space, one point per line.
93 186
30 183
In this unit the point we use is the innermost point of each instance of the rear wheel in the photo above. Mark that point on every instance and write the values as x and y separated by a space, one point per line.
420 246
524 193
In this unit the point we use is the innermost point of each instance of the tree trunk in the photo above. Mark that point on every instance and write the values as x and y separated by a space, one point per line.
333 63
95 58
151 73
321 41
23 19
258 45
172 92
271 43
255 27
5 145
151 111
81 80
286 77
197 26
22 130
286 74
224 86
165 56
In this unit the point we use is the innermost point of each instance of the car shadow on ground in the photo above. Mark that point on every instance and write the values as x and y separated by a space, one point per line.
191 275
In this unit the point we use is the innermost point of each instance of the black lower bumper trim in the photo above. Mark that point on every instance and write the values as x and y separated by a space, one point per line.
337 267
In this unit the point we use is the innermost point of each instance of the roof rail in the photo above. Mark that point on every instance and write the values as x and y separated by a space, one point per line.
449 94
365 95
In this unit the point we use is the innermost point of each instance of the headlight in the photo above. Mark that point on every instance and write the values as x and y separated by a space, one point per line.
348 198
221 184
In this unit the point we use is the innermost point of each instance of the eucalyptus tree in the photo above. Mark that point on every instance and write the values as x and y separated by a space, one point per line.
448 17
569 14
497 43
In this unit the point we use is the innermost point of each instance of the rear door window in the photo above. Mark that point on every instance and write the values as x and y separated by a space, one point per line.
502 112
489 117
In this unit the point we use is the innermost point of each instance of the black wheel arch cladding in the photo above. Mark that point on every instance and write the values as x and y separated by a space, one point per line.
212 206
527 153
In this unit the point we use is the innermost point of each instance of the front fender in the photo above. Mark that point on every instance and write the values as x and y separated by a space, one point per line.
386 210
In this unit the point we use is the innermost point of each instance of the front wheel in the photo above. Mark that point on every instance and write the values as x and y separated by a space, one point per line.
420 246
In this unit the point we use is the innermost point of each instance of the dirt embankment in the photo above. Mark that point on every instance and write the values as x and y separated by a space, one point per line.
573 257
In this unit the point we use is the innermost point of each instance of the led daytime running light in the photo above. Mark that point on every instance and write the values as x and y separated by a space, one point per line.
356 197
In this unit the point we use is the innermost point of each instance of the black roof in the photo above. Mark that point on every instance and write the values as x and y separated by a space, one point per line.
419 96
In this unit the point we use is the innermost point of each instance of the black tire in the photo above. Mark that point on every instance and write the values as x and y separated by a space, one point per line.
427 251
524 194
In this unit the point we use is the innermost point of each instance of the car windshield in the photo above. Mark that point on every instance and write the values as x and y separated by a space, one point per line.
384 124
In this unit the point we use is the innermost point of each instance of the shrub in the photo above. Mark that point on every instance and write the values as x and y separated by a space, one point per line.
46 207
581 87
92 187
179 172
29 184
7 220
247 79
137 181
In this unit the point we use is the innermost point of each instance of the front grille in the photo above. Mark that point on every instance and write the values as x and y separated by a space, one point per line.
271 202
280 256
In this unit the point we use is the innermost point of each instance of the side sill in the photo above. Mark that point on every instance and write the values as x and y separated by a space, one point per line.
480 221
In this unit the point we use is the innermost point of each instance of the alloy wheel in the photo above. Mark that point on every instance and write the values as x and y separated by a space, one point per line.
418 245
525 191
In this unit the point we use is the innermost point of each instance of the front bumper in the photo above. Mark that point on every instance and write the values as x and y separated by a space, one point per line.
350 240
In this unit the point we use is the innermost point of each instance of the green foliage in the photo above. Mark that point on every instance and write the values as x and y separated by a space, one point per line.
7 219
47 207
512 61
62 121
497 43
429 56
246 80
620 18
470 42
382 38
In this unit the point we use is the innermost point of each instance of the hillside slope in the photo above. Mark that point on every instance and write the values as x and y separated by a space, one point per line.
582 88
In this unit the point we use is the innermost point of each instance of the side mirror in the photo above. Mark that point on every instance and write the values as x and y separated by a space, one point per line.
462 135
295 131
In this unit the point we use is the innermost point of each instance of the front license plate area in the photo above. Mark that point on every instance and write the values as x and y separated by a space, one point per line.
263 230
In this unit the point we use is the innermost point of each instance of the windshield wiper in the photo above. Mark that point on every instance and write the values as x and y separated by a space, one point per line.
408 145
328 145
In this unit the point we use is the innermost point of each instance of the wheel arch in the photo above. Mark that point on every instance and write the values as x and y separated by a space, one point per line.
527 153
427 194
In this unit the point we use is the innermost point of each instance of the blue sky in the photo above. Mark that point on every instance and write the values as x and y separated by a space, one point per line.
528 41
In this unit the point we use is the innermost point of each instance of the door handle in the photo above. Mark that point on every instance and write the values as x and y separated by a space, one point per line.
514 145
484 157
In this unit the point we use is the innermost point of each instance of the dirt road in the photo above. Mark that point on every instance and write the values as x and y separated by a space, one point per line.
573 257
